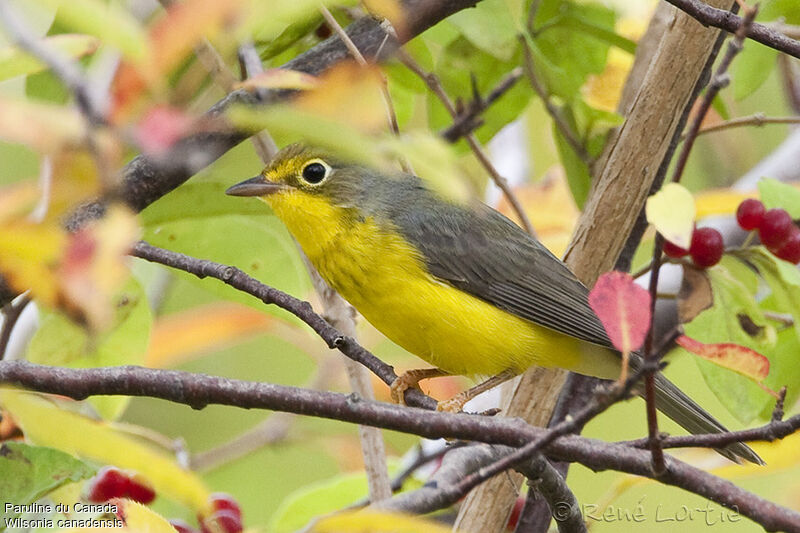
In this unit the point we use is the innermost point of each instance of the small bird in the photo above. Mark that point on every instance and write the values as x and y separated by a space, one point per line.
460 286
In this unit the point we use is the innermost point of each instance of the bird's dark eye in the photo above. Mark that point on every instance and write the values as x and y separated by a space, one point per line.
314 172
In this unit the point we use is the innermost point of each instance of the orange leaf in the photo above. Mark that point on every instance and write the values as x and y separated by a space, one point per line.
624 309
171 38
740 359
177 337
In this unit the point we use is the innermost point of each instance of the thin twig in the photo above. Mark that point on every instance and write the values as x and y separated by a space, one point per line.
358 56
654 438
433 83
719 80
563 126
725 20
469 119
756 119
791 81
11 313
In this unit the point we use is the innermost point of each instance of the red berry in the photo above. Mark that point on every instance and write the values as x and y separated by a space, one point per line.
110 482
750 214
673 250
181 526
222 521
790 250
775 228
139 490
707 247
221 501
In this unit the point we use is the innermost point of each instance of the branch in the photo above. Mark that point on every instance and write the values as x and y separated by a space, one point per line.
198 391
723 19
449 484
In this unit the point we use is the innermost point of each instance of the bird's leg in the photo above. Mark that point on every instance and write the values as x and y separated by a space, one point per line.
456 403
411 378
623 375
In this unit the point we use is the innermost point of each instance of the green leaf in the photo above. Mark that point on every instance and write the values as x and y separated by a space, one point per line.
733 286
778 194
788 10
15 62
27 473
59 341
258 244
322 498
579 178
575 38
108 21
783 280
498 37
752 68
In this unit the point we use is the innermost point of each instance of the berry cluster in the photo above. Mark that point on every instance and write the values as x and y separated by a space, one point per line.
225 517
776 229
706 247
111 482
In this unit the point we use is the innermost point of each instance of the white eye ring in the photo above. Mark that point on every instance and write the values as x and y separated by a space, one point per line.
315 171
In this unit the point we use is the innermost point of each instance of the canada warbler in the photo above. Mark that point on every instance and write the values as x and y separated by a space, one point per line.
460 286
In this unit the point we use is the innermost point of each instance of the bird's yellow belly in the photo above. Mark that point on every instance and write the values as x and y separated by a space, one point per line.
386 282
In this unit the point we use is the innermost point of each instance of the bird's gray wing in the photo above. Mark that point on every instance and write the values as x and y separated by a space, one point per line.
481 252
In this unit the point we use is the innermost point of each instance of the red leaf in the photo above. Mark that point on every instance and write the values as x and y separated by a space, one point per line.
624 309
740 359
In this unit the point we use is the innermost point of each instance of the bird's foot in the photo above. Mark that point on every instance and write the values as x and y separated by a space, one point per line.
410 379
454 404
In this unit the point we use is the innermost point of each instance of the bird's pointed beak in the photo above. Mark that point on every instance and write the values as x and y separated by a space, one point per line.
257 186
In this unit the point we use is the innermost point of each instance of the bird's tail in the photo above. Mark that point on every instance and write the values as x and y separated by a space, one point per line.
671 401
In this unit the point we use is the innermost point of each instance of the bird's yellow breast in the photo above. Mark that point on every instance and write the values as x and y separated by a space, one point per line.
384 277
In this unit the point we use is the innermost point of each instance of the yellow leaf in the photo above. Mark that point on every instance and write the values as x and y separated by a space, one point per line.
28 253
671 210
376 522
279 78
45 424
720 202
602 91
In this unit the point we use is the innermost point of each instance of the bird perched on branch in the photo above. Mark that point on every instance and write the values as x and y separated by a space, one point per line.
460 286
